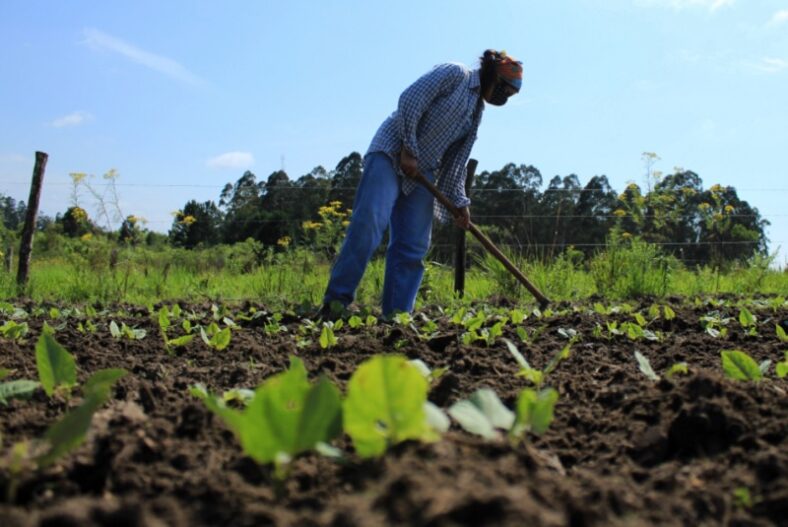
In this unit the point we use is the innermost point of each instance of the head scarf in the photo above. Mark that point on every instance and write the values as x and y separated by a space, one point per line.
510 70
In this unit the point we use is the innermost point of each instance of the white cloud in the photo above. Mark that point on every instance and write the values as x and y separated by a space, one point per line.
72 119
102 41
780 17
771 65
679 5
231 160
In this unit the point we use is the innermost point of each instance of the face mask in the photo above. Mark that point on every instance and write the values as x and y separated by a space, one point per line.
499 95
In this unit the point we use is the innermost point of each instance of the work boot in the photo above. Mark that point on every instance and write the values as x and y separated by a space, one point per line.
329 312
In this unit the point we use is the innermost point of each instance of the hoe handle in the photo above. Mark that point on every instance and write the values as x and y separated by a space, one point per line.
484 240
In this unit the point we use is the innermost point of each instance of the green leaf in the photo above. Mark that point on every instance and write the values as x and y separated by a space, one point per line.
678 368
482 414
164 319
221 339
746 319
436 418
56 366
69 432
781 333
180 342
669 313
740 366
327 338
385 405
534 411
20 389
645 366
782 367
640 319
4 372
285 417
114 330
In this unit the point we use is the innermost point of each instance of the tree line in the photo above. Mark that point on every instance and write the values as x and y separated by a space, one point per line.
695 224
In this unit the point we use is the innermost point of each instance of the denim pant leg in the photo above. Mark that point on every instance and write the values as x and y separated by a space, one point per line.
411 228
375 197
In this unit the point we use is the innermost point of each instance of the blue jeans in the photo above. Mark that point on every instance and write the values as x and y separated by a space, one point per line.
379 204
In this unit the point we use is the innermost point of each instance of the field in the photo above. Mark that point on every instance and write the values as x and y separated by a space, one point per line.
679 445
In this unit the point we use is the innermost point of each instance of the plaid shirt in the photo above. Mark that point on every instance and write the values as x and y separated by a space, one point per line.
437 120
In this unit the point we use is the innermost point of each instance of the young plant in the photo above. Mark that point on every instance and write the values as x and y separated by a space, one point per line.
385 405
741 367
327 337
19 389
14 331
781 368
125 332
483 414
748 322
214 337
781 335
286 417
534 412
679 368
164 325
645 367
57 370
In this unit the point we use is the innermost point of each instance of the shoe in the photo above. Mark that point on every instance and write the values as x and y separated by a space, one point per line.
329 312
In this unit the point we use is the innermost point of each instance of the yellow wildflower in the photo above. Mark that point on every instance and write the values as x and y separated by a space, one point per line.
716 188
188 220
311 225
86 237
345 223
620 213
284 241
718 217
626 235
704 206
728 209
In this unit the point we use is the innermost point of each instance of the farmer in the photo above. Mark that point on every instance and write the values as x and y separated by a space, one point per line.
432 131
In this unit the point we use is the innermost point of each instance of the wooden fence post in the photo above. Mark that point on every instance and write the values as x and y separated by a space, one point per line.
460 255
26 245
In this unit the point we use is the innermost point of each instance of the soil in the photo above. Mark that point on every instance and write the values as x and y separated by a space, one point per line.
623 450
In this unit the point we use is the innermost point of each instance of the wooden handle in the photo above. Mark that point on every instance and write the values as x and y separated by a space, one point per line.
485 241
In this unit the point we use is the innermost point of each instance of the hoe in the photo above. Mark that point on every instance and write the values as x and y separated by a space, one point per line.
484 240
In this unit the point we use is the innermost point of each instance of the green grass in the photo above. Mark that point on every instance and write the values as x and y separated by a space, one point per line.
143 276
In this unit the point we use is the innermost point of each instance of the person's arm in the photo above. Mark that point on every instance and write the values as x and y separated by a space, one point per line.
454 174
415 100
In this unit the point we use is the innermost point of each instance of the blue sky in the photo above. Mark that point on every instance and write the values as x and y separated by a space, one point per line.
182 97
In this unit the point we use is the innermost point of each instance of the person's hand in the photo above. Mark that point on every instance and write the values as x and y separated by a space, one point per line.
408 163
463 220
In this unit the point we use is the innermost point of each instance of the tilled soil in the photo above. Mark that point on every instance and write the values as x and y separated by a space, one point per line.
623 450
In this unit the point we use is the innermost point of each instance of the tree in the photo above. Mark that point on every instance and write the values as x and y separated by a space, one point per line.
197 224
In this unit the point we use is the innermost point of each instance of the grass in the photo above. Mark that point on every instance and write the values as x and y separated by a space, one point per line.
143 276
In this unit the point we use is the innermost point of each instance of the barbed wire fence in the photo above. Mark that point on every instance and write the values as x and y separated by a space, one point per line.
480 218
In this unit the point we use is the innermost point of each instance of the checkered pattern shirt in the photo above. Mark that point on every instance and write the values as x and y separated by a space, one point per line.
437 120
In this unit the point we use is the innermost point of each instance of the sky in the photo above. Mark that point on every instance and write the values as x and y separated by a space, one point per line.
182 97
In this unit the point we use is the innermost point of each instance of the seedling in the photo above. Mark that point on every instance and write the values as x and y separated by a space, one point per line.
781 336
214 337
327 337
781 368
645 367
483 414
430 375
19 389
57 370
740 366
385 405
286 417
164 326
125 332
748 322
534 412
14 331
680 368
